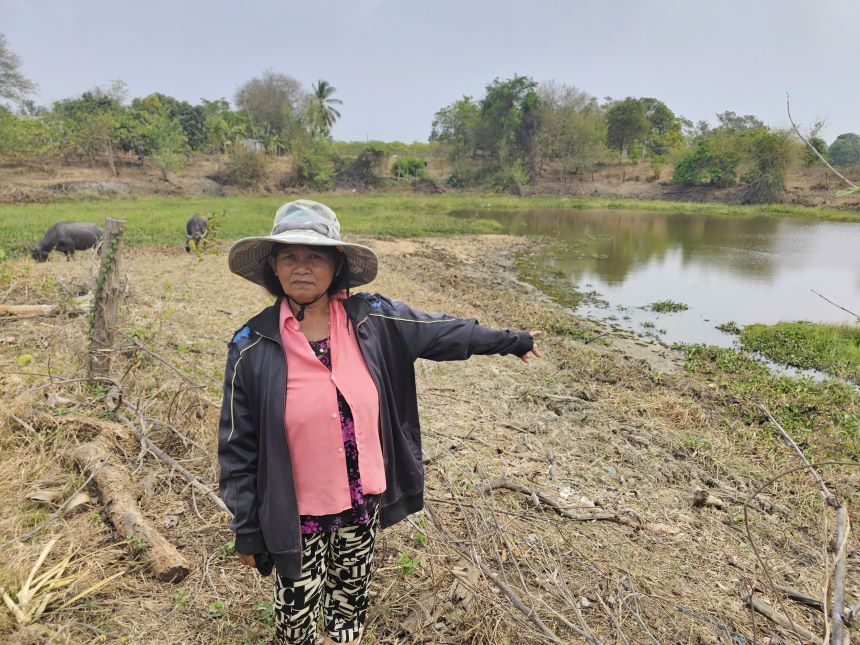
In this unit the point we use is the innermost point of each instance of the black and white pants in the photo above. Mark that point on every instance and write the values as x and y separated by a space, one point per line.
335 574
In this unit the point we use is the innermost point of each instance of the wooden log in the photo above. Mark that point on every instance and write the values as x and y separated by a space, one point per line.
837 608
107 294
115 487
772 614
32 311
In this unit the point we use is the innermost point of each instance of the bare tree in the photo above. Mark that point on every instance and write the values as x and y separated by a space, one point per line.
270 101
13 84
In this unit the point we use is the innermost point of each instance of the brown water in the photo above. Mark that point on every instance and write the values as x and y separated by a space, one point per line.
741 269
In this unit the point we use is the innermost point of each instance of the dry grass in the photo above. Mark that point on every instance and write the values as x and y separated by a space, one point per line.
593 428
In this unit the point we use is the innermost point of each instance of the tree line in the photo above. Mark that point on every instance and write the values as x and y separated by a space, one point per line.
517 132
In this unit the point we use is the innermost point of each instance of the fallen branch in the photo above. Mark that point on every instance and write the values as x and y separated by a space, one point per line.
512 596
59 511
829 497
756 493
162 360
773 615
33 311
837 607
554 505
835 304
802 598
115 488
814 149
175 465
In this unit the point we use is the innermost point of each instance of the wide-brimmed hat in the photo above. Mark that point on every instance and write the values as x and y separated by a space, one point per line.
303 222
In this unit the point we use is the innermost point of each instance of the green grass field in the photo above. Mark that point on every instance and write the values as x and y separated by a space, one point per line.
157 220
833 349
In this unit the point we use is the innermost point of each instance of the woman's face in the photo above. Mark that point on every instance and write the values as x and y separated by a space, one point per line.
305 272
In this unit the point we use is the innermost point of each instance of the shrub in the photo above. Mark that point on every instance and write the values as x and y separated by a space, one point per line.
771 153
408 167
705 163
508 179
361 171
315 169
463 177
243 169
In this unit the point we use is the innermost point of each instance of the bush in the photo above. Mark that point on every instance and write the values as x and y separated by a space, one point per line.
243 169
315 169
705 163
361 171
508 179
771 153
408 167
464 177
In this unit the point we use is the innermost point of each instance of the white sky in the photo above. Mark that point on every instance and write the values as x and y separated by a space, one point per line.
396 62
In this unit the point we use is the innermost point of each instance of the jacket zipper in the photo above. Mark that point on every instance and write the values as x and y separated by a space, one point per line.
287 441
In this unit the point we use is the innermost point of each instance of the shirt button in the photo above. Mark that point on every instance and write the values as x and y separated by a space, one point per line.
340 449
333 378
334 415
296 326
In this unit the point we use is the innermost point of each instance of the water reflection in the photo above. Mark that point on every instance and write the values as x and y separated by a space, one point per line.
746 269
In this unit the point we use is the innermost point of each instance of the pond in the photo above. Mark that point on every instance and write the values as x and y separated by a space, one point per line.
740 269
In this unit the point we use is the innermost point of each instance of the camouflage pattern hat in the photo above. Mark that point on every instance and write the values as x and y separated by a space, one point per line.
303 222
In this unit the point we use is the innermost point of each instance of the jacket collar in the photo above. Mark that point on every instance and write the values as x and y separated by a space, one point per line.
266 323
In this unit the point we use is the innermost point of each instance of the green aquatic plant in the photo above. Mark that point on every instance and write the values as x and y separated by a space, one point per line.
667 306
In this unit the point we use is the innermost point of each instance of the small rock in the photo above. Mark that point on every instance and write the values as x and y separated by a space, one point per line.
704 498
659 529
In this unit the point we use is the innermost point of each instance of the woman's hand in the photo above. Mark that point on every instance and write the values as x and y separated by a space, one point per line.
534 350
247 559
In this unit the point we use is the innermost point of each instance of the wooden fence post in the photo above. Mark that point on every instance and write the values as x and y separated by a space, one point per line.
106 299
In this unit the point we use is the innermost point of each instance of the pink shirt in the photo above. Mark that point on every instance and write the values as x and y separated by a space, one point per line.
312 419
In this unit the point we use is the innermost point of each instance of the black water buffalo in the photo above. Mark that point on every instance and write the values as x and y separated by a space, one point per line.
195 229
68 237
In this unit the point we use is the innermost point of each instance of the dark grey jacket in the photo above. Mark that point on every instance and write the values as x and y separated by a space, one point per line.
256 471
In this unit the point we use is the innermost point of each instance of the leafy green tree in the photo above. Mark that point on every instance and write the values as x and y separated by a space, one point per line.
508 120
28 139
168 144
734 123
322 114
664 128
845 150
809 156
269 100
706 164
626 124
13 85
191 118
90 125
456 125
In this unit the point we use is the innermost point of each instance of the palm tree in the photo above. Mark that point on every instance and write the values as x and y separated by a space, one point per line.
322 113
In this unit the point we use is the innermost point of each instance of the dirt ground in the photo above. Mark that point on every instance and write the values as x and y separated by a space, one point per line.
561 493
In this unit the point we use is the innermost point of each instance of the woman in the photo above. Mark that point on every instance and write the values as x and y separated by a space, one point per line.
319 441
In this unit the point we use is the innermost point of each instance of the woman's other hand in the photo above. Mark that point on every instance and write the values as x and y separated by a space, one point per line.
534 350
247 559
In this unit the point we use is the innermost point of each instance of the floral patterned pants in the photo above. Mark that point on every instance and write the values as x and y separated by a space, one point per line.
335 574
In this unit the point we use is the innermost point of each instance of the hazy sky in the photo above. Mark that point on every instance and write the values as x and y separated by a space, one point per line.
396 62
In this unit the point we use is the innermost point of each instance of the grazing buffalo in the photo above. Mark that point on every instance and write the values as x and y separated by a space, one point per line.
68 237
195 231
